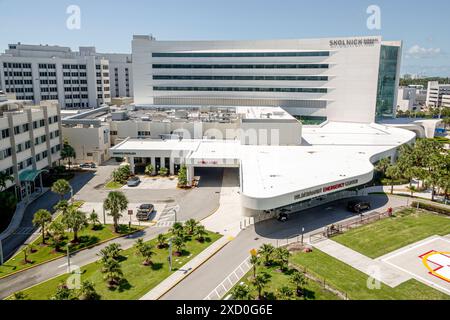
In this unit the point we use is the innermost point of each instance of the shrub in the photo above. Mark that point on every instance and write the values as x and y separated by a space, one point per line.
431 207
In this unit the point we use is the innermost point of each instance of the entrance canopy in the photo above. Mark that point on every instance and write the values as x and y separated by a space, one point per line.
30 175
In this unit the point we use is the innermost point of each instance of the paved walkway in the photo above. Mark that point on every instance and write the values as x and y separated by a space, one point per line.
374 268
187 269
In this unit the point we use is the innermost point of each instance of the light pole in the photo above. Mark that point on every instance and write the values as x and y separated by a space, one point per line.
303 230
68 258
170 255
104 215
71 193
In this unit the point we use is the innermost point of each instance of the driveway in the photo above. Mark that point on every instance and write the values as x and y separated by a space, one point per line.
218 267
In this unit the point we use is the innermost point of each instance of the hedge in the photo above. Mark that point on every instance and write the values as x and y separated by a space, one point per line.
432 207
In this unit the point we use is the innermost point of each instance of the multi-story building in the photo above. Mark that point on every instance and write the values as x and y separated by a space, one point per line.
30 141
82 79
446 101
346 79
435 92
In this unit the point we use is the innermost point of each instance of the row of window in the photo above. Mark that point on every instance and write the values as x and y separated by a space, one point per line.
267 78
74 66
47 74
47 66
12 82
76 81
74 74
45 81
51 89
68 89
48 97
21 128
16 65
143 133
104 67
23 146
19 90
17 74
239 54
241 66
243 89
76 96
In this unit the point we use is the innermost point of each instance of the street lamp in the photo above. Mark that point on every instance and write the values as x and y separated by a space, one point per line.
303 230
68 257
169 258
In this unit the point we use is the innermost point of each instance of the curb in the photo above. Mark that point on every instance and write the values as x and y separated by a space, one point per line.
193 269
65 255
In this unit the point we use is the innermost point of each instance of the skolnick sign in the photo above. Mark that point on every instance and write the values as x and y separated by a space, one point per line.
356 42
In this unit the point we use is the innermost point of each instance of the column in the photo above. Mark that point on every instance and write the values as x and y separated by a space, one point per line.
162 162
153 162
190 174
131 162
172 166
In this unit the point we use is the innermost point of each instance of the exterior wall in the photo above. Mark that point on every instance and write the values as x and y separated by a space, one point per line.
353 69
436 92
406 99
91 144
446 101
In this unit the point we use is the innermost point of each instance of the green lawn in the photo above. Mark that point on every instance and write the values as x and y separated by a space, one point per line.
353 282
87 237
386 235
278 279
113 185
139 278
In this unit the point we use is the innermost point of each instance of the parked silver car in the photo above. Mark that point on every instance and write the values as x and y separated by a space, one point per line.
133 181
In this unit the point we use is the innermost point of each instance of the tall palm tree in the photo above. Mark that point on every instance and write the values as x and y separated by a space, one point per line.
179 244
61 187
282 255
394 173
41 218
190 225
75 220
254 261
260 282
67 151
382 165
4 178
177 229
93 219
115 203
146 250
63 206
266 250
241 292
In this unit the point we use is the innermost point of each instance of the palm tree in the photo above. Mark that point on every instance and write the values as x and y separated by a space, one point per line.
259 282
241 292
88 292
115 203
4 178
299 280
182 176
61 187
254 261
75 220
179 244
163 171
20 296
285 293
200 233
25 253
57 232
67 151
41 218
394 173
177 229
161 239
112 272
412 189
63 206
266 250
190 225
93 219
111 251
382 165
282 255
62 293
146 250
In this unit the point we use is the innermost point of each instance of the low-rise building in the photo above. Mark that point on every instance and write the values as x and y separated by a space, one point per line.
435 93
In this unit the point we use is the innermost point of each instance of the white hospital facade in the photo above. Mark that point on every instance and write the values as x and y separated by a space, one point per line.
257 89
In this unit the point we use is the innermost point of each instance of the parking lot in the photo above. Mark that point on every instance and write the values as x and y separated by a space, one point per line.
154 183
427 261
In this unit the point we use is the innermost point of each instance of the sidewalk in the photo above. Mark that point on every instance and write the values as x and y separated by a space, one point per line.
187 269
374 268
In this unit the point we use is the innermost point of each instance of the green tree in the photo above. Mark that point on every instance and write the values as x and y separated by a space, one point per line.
115 204
241 292
412 189
393 173
93 219
182 176
112 272
111 251
285 293
19 296
255 261
163 171
177 229
200 233
63 206
63 293
299 280
161 239
266 251
190 225
179 243
61 187
149 169
87 291
4 178
260 282
67 152
146 251
282 256
57 233
75 220
382 165
41 218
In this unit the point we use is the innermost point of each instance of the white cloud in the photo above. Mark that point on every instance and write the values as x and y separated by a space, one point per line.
418 52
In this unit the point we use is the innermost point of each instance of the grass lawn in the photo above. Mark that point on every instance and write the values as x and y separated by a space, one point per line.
278 279
347 279
87 237
139 278
386 235
114 185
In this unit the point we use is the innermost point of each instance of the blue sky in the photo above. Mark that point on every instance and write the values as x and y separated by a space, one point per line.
109 25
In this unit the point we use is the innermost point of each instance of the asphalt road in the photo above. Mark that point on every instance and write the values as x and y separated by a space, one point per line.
208 276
